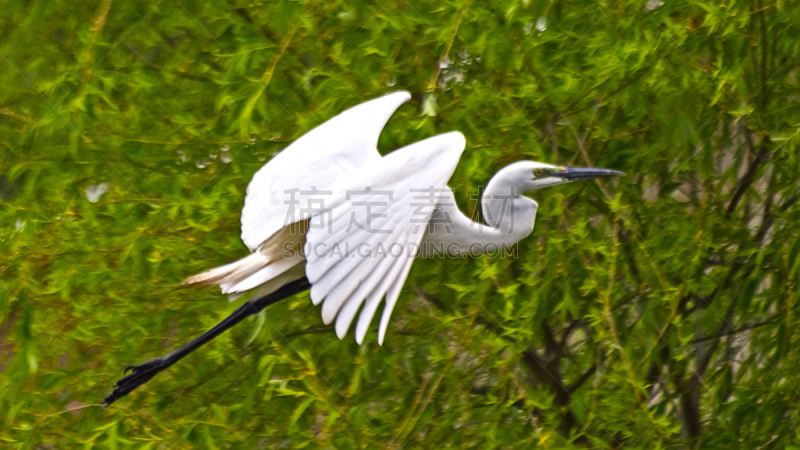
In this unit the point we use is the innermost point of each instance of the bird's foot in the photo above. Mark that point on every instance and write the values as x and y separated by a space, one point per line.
139 375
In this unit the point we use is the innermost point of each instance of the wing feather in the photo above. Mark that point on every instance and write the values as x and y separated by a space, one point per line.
344 281
335 150
331 283
374 300
368 288
391 299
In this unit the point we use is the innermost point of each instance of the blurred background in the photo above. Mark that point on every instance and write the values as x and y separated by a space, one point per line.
657 310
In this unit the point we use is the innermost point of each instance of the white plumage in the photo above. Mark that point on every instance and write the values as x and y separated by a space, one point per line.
326 178
359 219
339 157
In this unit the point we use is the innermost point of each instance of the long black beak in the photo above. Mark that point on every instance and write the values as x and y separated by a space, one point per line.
582 173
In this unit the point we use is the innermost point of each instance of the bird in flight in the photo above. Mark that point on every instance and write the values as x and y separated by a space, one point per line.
331 215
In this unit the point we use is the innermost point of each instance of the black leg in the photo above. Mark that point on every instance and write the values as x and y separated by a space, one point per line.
142 373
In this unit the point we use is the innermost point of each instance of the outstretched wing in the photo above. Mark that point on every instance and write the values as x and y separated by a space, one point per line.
323 157
363 252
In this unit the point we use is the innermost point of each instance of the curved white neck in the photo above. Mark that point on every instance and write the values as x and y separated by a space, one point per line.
506 209
509 216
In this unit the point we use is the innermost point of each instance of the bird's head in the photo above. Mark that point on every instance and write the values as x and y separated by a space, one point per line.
531 175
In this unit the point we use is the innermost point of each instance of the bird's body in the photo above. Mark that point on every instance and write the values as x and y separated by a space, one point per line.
327 177
331 214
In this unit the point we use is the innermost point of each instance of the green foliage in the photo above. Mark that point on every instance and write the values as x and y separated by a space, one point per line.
654 311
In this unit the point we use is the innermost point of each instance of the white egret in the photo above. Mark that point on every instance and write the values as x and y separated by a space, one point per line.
360 219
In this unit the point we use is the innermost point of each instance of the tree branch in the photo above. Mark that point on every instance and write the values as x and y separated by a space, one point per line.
546 369
749 176
586 376
769 321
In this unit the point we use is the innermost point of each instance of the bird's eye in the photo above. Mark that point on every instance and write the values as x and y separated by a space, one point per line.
537 172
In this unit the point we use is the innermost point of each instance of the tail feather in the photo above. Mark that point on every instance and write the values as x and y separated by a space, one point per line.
295 272
231 274
267 273
267 262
